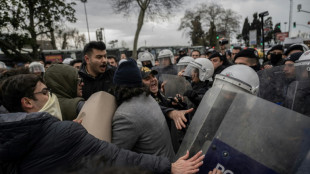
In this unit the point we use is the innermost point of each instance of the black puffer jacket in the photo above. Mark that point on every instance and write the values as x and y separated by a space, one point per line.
103 82
40 143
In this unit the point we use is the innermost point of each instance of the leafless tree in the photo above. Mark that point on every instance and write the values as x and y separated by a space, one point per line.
70 37
149 9
226 21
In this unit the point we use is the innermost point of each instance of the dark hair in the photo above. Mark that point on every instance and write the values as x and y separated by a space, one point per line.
13 72
88 48
122 94
228 52
14 88
112 57
47 63
237 48
196 51
75 61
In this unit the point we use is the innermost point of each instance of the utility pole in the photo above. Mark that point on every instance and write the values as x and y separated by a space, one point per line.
261 15
84 2
290 18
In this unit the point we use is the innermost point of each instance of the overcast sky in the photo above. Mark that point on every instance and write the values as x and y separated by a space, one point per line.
116 26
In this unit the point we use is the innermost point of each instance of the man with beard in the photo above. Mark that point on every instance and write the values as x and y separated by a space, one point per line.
173 109
97 75
167 106
34 141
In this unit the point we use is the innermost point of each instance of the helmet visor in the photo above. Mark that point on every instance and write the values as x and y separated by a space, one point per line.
181 68
191 72
164 61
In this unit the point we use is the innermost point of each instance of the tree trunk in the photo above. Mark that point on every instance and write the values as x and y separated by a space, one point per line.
33 34
53 40
64 43
139 26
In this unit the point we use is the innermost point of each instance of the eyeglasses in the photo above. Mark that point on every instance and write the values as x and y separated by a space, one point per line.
79 81
44 91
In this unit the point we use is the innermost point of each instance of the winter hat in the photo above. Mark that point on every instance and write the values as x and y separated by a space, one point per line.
293 57
248 53
145 72
128 74
276 47
294 47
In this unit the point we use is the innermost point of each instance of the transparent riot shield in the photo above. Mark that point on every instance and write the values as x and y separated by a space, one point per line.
206 120
171 69
257 136
298 92
273 83
175 85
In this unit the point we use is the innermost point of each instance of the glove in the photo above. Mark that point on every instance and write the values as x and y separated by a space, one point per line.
190 94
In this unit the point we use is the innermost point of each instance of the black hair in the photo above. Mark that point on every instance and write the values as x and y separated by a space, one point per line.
237 48
22 70
47 63
196 51
112 57
75 61
14 88
228 52
88 48
122 93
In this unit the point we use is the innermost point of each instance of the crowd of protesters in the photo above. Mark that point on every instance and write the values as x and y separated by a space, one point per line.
40 102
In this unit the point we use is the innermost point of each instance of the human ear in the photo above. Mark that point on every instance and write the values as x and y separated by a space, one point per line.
26 103
86 58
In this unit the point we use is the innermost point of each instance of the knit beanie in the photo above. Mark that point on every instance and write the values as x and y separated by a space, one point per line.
277 47
293 57
293 47
128 74
248 53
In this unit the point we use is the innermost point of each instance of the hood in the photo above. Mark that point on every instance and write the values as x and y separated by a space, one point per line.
62 79
19 132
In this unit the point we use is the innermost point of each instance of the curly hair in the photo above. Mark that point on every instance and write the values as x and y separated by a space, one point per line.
122 93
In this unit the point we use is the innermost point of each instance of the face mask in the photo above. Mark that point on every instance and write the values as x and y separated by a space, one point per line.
188 78
149 66
52 106
256 67
275 58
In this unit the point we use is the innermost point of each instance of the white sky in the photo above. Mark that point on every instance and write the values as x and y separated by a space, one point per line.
101 15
